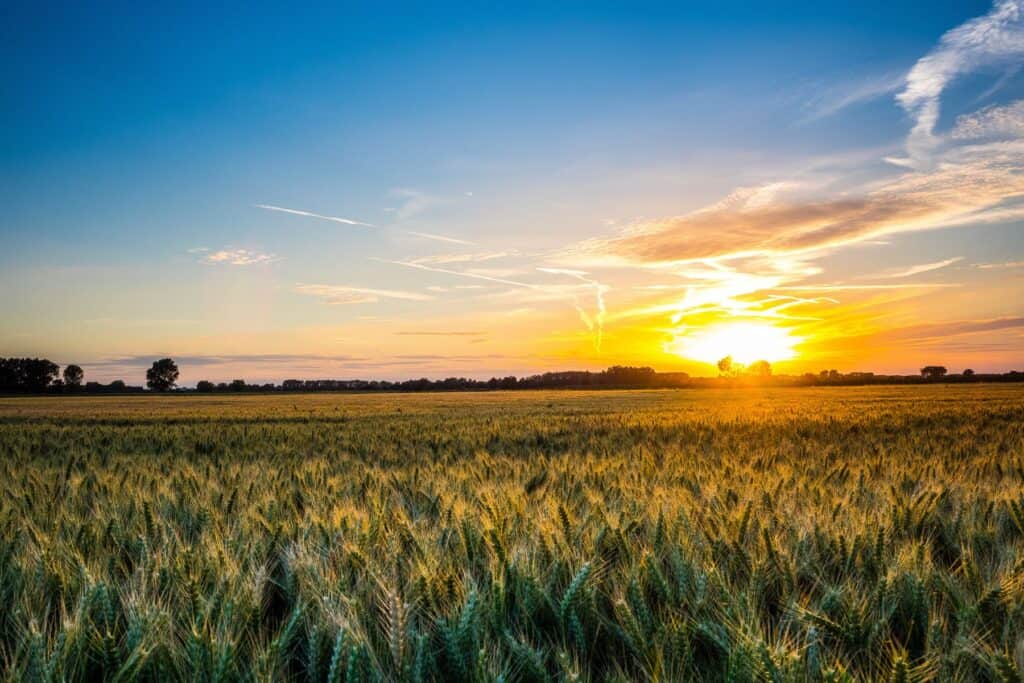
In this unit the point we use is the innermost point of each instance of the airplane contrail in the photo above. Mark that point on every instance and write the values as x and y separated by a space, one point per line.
350 221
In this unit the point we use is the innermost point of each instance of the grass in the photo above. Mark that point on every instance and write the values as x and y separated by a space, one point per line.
778 535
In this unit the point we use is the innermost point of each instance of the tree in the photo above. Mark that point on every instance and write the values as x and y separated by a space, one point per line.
204 386
760 368
725 365
968 373
237 385
73 376
163 375
38 373
933 371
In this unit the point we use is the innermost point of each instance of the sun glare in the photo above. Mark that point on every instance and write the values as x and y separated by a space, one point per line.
745 342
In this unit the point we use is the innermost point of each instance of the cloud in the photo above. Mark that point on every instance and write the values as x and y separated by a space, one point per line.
238 257
971 185
310 214
991 122
458 273
912 270
440 259
1006 264
340 294
993 39
596 323
944 330
438 238
436 333
349 221
831 100
414 202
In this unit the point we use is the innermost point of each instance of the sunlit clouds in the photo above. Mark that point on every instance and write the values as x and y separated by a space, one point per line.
235 257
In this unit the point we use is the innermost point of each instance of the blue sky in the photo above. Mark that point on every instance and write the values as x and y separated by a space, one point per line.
139 145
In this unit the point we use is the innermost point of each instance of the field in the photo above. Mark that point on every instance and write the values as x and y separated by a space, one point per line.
779 535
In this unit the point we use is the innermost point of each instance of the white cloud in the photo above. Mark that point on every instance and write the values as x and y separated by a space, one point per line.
1006 121
439 259
310 214
831 100
349 221
992 39
237 257
435 237
342 294
912 270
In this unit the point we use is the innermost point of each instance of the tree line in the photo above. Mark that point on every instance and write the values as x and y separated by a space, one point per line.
39 375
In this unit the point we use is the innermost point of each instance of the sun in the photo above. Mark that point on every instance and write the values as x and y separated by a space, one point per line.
745 342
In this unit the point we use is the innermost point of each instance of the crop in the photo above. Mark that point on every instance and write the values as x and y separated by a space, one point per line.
779 535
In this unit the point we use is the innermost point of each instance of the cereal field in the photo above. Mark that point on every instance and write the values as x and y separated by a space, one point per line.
771 535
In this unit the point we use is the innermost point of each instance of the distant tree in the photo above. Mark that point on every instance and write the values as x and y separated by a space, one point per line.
204 386
725 366
237 385
968 373
38 373
117 385
760 368
73 376
163 375
933 371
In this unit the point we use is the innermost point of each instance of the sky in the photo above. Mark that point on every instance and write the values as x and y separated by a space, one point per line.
437 189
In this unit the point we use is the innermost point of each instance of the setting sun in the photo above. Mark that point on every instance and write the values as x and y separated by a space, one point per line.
745 342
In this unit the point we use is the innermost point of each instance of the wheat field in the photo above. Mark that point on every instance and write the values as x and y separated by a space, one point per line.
831 534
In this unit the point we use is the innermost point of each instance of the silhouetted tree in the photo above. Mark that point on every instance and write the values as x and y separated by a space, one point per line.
725 365
204 386
237 385
73 376
760 368
35 374
968 373
163 375
117 385
933 371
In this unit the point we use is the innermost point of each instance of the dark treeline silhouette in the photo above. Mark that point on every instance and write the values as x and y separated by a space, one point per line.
38 375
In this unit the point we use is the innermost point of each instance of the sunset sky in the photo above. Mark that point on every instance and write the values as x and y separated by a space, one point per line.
441 190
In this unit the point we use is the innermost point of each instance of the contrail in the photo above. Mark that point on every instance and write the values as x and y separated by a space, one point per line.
309 214
439 238
475 276
349 221
596 324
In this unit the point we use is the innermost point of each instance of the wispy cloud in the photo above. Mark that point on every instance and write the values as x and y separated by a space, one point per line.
310 214
831 100
991 122
342 294
596 323
457 273
911 270
970 186
237 257
473 257
995 38
1005 264
437 238
349 221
